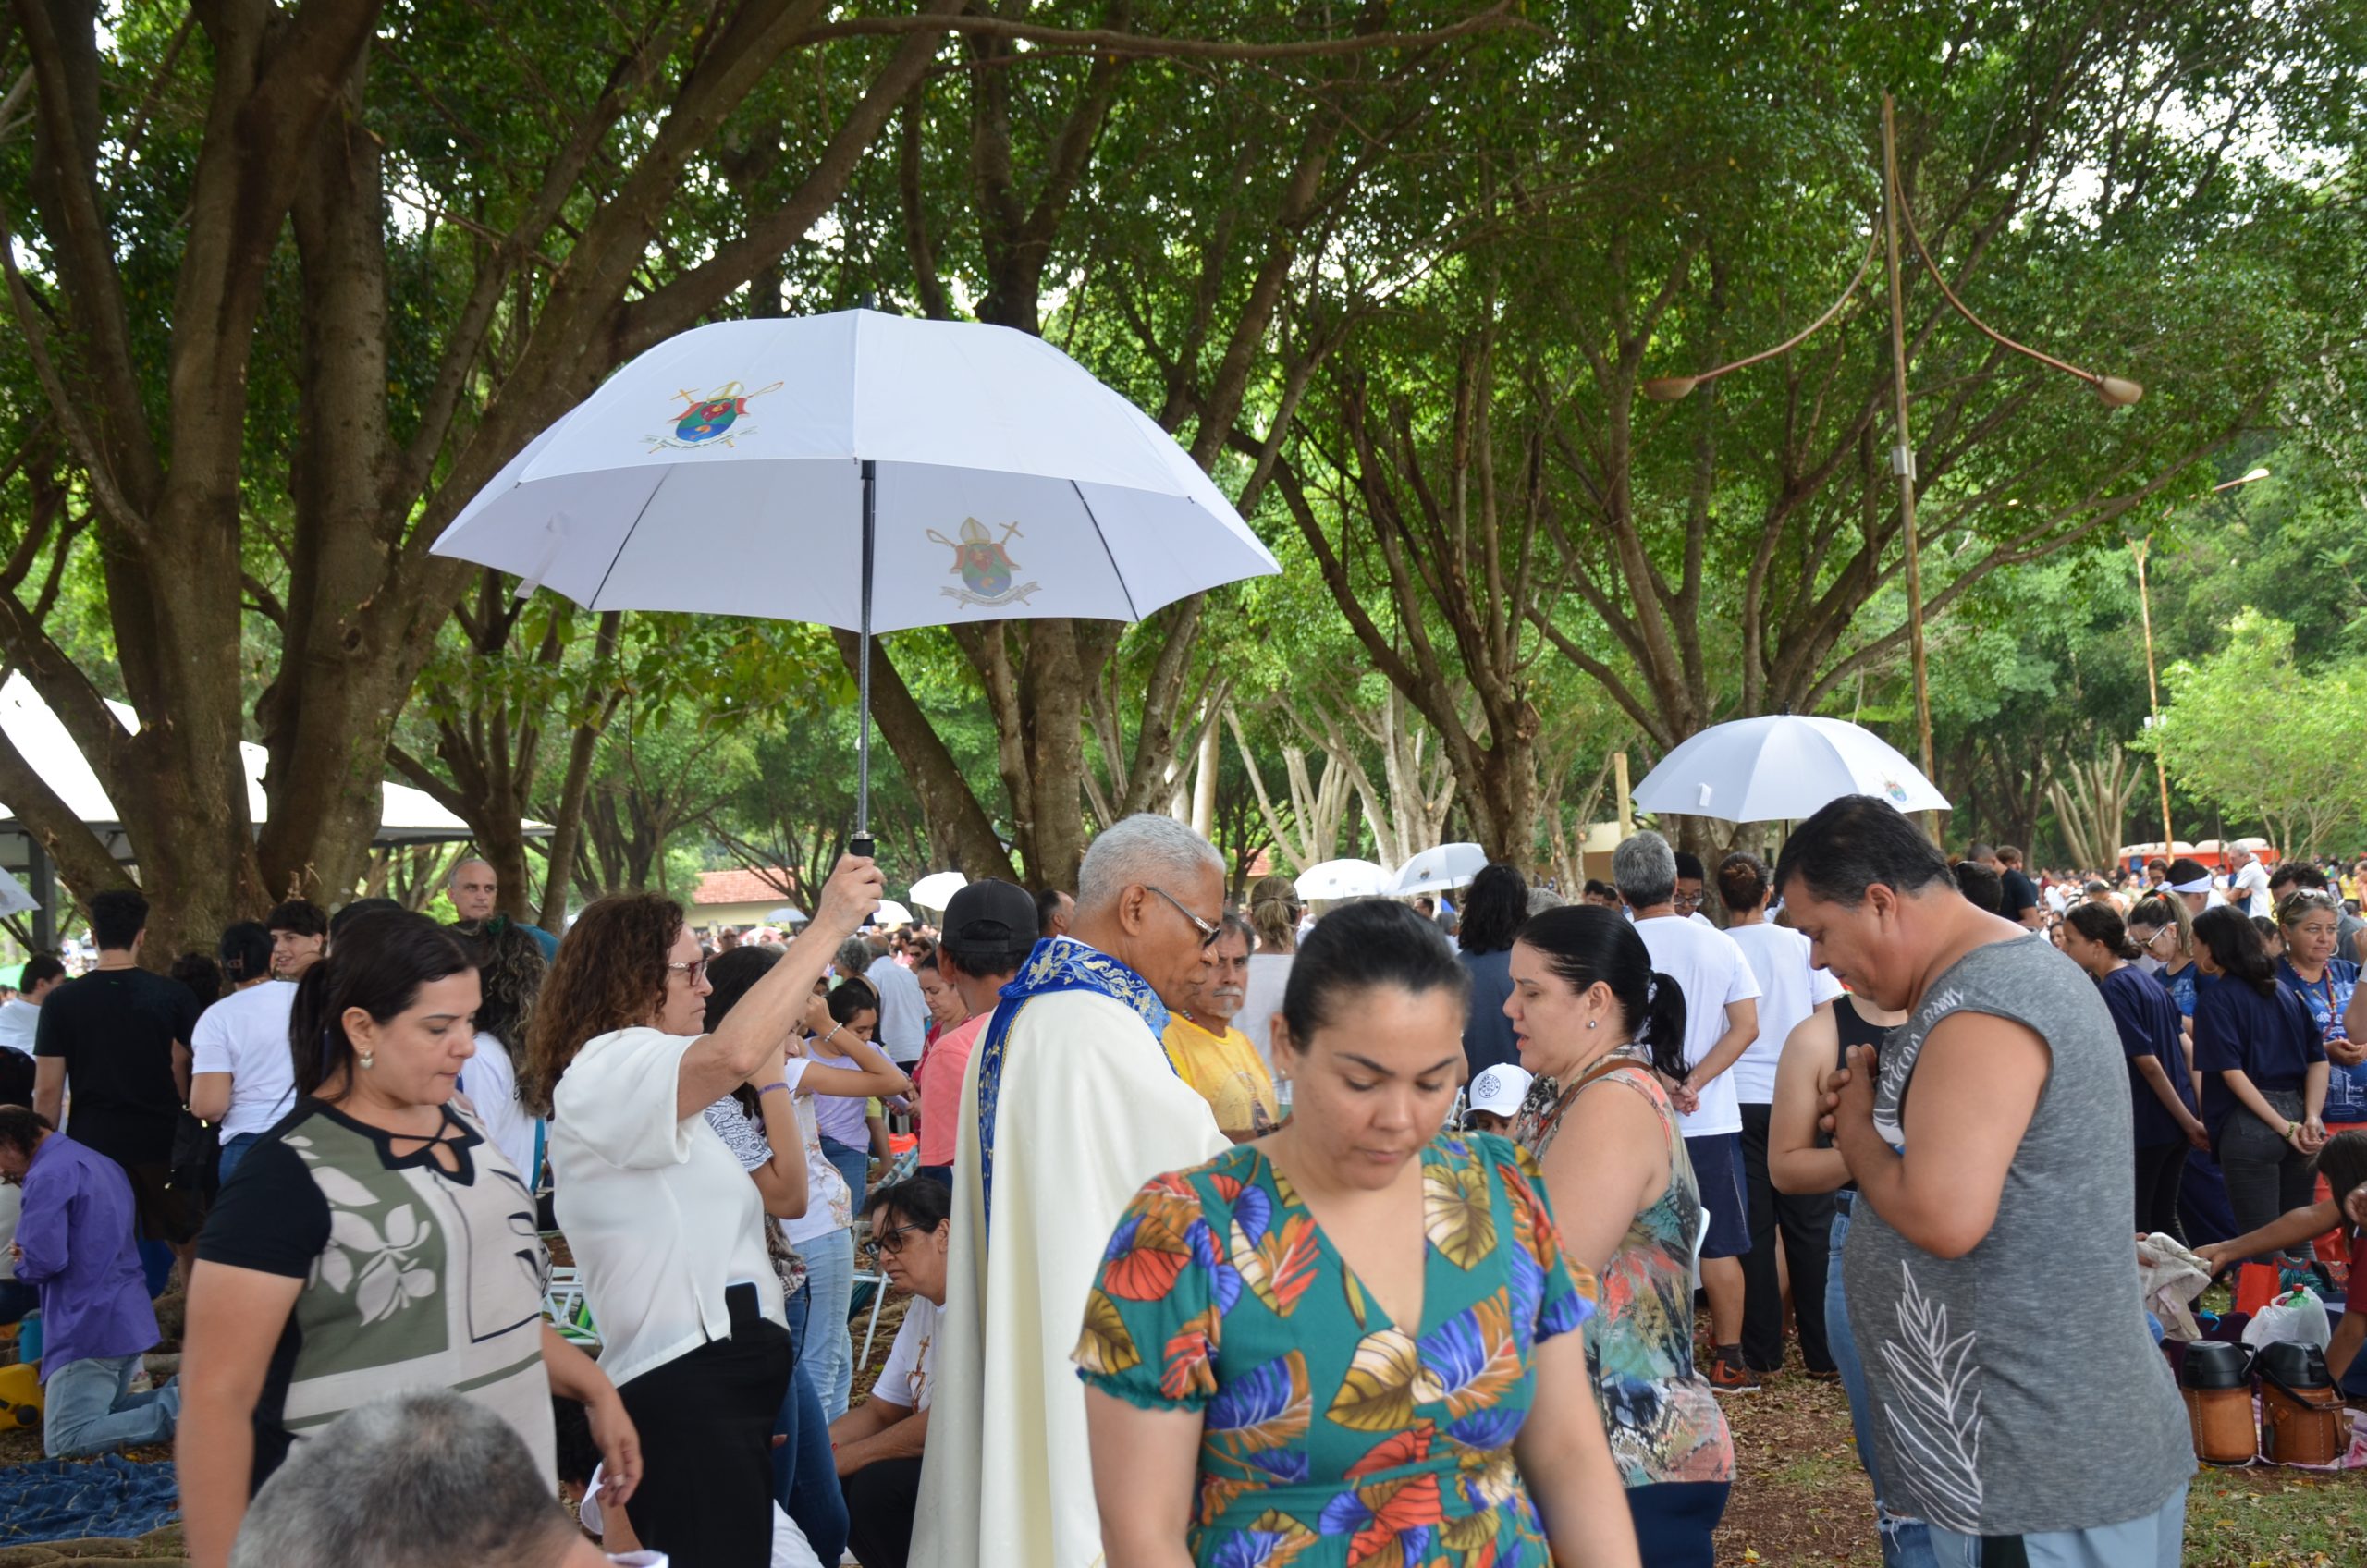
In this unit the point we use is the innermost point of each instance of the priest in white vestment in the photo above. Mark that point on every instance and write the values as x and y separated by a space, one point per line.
1068 1106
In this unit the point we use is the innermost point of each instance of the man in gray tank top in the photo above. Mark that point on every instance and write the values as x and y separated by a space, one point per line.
1991 1268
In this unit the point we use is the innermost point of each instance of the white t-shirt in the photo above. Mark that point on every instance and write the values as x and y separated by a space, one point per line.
491 1083
1789 989
910 1377
662 1218
903 1012
1712 972
2252 882
18 1019
1261 998
245 1035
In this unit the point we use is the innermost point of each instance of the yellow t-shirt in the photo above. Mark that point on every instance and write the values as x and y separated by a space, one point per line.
1225 1069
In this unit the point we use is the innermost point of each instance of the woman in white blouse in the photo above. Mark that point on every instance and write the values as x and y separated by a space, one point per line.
668 1230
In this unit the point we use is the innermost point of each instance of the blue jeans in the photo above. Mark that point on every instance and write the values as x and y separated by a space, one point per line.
233 1150
89 1408
824 1351
2155 1540
805 1478
854 1164
1675 1521
1907 1543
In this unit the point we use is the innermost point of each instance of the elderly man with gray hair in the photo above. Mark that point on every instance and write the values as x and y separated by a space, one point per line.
1068 1106
421 1480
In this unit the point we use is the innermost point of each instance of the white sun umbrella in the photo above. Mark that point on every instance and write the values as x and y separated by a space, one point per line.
1781 767
936 891
890 913
1432 870
786 915
863 471
1342 879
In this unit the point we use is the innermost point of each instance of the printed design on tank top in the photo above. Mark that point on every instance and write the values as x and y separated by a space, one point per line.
1937 1418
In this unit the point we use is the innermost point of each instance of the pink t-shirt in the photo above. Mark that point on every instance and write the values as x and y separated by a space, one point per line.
942 1071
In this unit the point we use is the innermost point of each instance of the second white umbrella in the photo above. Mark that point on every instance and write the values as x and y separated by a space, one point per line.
1342 879
1779 767
1449 865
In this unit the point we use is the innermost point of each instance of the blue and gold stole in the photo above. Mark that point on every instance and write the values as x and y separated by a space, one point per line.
1057 963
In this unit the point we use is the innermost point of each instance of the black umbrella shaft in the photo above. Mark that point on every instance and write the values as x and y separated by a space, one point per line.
862 844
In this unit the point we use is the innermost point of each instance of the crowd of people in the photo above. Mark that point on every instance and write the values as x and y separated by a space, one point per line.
1227 1235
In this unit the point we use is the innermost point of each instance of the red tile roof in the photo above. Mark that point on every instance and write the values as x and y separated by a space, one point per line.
739 888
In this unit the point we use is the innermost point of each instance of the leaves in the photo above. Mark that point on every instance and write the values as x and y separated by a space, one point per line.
1105 1347
1457 1215
1376 1395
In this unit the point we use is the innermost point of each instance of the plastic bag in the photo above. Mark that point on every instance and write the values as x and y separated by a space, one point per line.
2299 1318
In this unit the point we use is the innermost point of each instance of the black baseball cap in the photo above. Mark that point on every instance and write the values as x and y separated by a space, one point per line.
990 913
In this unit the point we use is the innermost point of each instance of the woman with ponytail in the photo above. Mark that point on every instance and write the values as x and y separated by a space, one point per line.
2263 1065
1590 1014
1274 912
374 1242
2152 1036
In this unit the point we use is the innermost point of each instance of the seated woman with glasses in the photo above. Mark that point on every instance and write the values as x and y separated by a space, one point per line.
879 1442
667 1228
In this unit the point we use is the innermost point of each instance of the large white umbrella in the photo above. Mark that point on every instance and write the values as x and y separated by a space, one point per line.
1449 865
864 470
937 890
1342 879
1781 767
890 913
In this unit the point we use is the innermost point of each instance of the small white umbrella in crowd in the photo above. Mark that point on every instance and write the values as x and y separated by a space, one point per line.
864 470
936 891
891 914
785 915
1342 879
1432 870
1781 767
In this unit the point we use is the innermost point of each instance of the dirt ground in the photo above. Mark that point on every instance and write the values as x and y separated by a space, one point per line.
1800 1502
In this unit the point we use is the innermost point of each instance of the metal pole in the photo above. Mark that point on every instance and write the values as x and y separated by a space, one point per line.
2153 694
861 844
1902 456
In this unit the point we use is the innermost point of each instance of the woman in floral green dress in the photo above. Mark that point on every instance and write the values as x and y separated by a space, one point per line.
1321 1349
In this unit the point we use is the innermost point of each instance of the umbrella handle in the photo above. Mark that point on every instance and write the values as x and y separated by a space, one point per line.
870 473
862 847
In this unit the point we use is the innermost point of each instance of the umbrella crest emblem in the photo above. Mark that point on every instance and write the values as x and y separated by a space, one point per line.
985 566
708 417
1895 789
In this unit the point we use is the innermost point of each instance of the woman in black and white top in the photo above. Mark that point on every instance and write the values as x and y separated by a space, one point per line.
668 1230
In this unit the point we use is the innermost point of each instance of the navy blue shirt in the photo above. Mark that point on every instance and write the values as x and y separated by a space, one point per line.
2150 1031
2326 997
2271 1040
1487 1033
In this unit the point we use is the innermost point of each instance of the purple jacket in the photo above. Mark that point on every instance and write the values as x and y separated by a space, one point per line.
76 1234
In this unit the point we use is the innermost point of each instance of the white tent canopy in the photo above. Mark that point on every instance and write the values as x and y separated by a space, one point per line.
407 815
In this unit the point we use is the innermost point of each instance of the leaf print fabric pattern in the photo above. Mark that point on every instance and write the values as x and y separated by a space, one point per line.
1331 1438
1662 1418
1937 1414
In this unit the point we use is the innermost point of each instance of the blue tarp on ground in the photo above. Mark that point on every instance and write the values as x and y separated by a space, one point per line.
62 1500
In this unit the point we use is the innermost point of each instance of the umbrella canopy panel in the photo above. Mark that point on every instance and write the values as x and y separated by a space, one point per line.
1781 767
721 473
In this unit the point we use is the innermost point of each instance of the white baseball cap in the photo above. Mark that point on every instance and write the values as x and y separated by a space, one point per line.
1500 1090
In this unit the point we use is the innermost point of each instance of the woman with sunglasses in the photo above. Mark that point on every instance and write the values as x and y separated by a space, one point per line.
2328 986
668 1230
